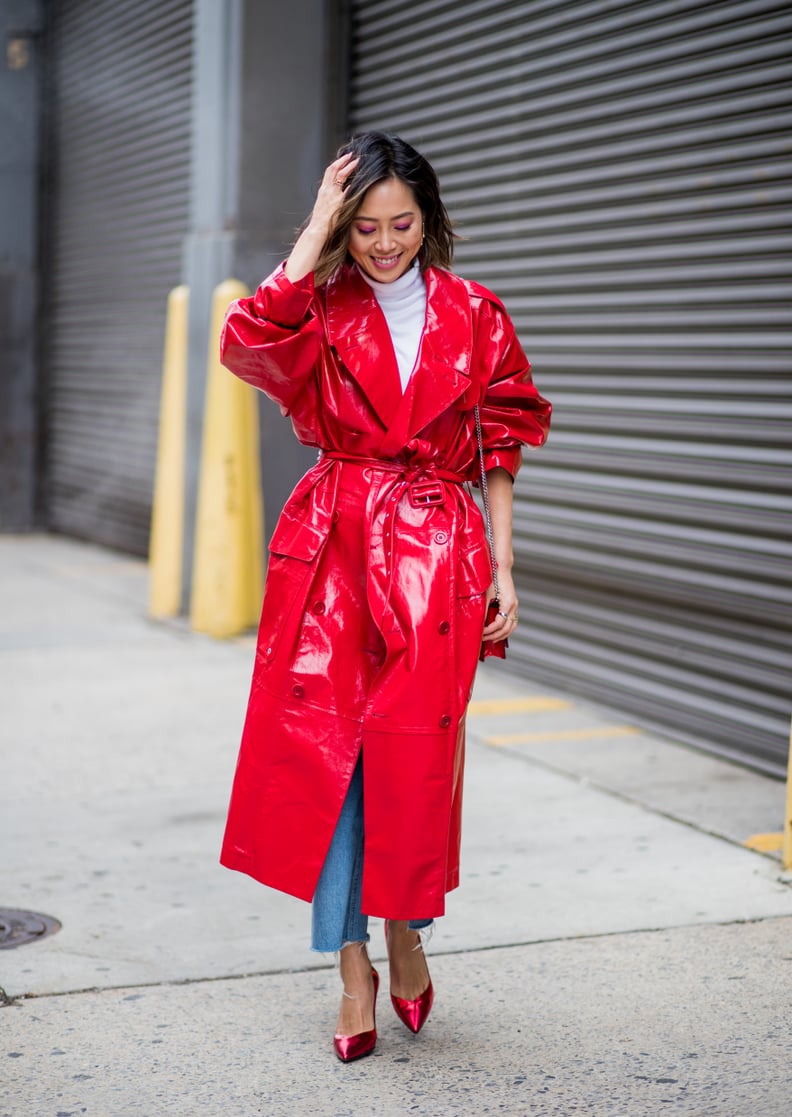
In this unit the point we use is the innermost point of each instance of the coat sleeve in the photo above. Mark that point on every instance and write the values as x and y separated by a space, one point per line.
273 339
513 414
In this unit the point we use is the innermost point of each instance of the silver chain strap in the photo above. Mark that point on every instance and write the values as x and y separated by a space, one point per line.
485 499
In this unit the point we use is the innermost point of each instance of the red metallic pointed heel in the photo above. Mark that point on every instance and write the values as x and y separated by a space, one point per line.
349 1048
414 1014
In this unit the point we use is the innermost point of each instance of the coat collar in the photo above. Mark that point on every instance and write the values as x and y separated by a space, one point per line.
357 329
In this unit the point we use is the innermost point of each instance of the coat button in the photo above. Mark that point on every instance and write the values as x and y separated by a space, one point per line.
298 691
445 721
319 607
444 628
441 537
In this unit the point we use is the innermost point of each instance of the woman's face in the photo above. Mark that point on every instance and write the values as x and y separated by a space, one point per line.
387 230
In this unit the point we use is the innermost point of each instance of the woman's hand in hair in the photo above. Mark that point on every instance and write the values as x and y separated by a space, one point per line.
329 199
330 195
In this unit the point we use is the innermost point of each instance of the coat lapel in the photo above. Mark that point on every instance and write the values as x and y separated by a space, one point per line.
443 370
358 331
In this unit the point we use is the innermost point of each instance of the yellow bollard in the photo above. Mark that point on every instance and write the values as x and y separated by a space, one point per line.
228 562
167 514
786 850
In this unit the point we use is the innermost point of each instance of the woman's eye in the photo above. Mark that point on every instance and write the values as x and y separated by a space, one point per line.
402 228
365 232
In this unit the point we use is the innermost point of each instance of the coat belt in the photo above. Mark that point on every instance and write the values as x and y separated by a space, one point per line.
425 484
423 480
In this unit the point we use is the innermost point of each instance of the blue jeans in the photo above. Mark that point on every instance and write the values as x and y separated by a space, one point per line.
336 916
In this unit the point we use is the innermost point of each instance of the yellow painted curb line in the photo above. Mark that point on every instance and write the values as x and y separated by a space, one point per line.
538 704
562 735
765 843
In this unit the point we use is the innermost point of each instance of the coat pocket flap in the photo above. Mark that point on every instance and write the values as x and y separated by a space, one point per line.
296 538
475 574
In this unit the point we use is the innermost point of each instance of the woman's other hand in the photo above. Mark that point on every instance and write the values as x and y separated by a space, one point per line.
501 496
329 198
506 621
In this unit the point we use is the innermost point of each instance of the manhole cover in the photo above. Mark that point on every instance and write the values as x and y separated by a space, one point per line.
19 927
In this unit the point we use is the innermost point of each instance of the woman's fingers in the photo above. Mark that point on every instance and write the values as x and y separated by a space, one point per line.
330 195
344 163
505 622
339 171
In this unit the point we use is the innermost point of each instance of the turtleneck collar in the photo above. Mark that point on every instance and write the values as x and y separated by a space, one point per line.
403 303
401 289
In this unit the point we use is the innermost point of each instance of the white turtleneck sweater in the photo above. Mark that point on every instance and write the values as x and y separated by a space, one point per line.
403 302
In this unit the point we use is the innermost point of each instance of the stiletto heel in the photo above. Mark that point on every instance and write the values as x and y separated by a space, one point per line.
349 1048
412 1013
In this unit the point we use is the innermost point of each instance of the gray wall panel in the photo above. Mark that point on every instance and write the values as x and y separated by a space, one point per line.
21 73
621 175
121 128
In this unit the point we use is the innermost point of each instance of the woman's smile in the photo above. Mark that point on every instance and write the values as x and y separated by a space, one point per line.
386 261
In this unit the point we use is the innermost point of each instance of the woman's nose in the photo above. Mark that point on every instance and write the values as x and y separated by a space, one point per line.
385 241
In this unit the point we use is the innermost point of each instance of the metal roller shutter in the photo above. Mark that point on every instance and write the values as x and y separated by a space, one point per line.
621 172
121 146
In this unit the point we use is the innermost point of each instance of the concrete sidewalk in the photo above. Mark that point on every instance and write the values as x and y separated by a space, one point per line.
614 949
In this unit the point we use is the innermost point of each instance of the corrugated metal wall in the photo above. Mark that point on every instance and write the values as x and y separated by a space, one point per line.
121 140
622 174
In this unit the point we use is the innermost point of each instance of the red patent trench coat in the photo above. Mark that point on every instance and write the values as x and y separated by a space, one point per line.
378 572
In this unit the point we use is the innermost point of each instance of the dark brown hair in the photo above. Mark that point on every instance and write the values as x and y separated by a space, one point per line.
383 156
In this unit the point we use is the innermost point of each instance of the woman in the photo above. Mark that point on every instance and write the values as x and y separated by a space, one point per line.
348 789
